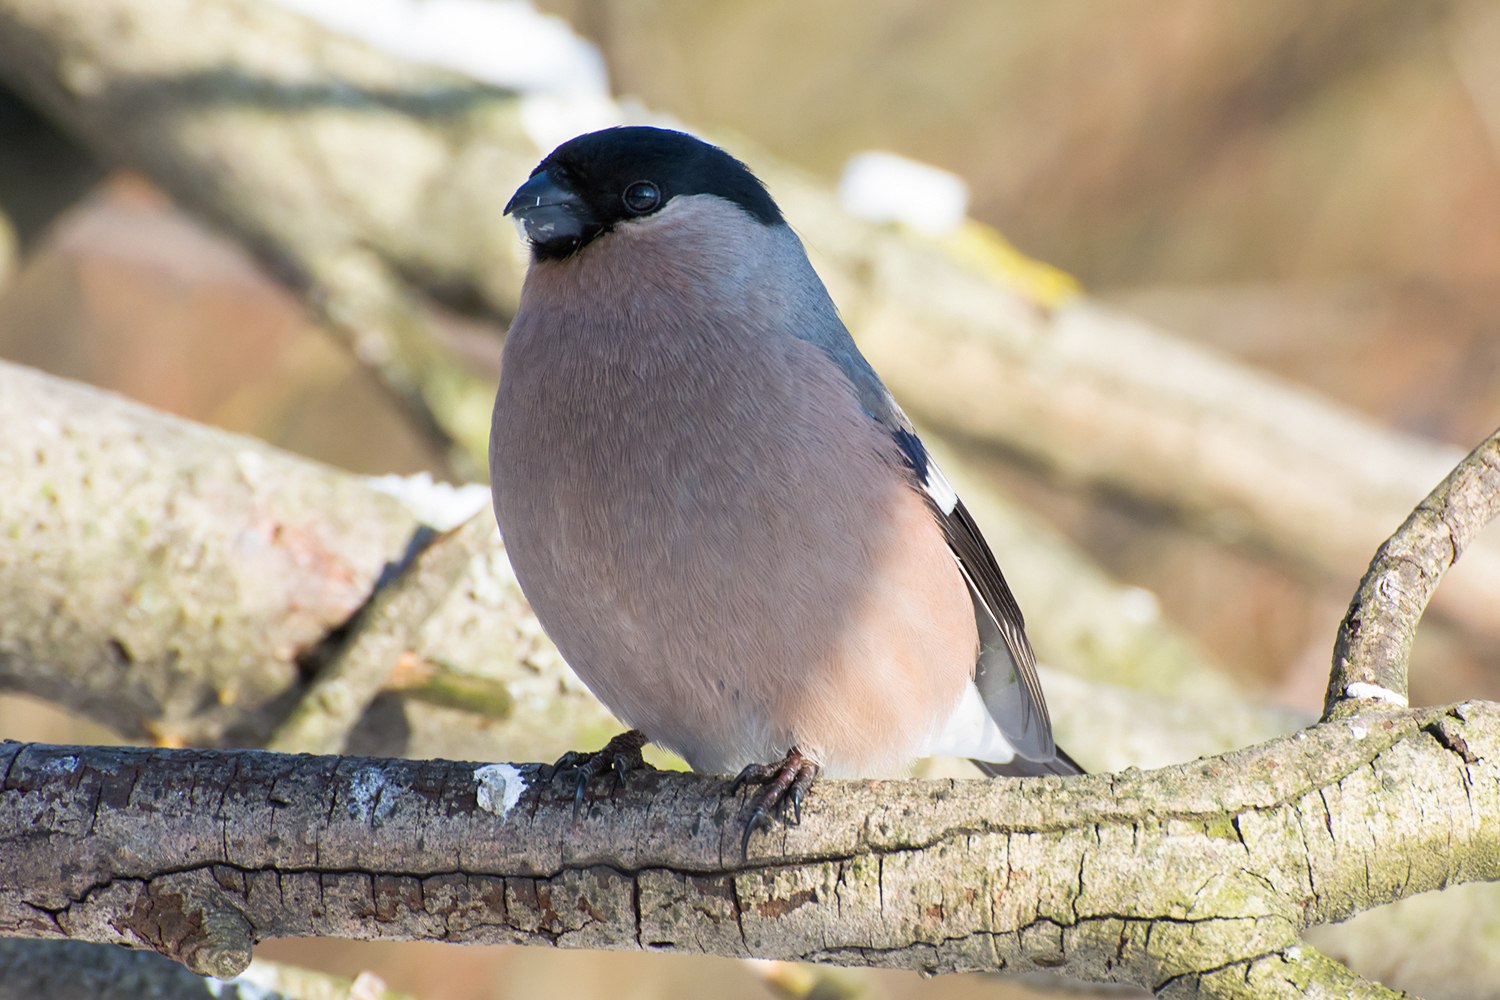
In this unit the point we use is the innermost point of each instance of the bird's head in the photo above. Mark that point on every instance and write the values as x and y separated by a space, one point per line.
595 183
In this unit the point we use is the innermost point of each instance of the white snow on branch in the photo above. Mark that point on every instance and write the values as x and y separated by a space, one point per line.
885 187
441 506
508 43
505 42
500 787
1376 693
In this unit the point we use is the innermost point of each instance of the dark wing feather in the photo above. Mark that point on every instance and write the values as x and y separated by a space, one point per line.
1006 670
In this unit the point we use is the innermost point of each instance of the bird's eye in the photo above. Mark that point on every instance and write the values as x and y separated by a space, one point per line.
641 197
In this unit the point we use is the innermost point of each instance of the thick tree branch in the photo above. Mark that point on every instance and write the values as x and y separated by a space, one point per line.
165 577
268 124
1142 877
171 581
51 970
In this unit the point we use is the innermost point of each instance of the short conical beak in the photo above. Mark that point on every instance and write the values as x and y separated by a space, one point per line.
548 210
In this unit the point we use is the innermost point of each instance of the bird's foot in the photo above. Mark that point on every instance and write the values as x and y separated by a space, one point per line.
619 756
784 785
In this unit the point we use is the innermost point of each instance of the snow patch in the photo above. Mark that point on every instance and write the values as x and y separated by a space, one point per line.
1139 606
441 506
884 187
500 787
1375 693
508 43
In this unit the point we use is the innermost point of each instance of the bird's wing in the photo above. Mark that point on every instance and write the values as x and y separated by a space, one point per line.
1006 670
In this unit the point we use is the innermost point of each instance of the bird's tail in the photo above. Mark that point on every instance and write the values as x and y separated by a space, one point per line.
1019 767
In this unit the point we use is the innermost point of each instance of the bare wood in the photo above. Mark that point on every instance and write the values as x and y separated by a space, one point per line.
1373 648
1151 878
162 576
385 631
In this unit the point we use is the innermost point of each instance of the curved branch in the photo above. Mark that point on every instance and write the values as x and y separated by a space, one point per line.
1142 877
1373 648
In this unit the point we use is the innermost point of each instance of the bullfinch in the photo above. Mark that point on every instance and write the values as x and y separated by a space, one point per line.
716 508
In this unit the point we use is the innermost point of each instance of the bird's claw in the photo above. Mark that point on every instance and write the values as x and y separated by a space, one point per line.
785 785
619 757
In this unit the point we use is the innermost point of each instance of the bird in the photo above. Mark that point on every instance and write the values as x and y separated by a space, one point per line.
716 508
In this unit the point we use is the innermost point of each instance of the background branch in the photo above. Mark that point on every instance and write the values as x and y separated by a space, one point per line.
285 553
45 969
266 124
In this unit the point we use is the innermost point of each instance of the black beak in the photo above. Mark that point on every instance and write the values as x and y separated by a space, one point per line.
550 212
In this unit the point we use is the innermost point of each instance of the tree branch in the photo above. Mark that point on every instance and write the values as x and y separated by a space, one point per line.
338 697
1373 648
164 577
45 970
1142 877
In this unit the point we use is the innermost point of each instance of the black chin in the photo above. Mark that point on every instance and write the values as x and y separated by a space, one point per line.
556 239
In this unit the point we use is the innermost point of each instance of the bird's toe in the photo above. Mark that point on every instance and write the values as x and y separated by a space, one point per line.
784 786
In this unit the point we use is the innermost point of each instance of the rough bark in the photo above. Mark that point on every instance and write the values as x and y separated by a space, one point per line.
267 124
164 577
1163 879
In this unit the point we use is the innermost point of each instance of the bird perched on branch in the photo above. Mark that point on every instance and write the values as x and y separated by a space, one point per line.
715 507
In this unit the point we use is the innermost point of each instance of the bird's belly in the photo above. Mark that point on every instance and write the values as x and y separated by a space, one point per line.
738 578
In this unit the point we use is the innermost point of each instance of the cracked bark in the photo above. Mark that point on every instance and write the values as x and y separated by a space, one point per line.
1166 879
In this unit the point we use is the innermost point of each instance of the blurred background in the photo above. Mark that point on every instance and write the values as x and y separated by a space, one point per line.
1311 189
